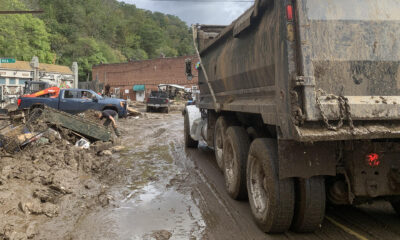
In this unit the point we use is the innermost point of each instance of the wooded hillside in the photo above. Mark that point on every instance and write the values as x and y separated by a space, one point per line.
90 32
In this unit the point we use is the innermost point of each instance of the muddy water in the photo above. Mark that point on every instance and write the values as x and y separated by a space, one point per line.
153 199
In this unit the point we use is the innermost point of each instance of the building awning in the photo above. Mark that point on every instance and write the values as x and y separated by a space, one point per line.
138 88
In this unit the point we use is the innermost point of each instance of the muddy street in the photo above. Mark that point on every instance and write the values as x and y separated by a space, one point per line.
249 119
154 188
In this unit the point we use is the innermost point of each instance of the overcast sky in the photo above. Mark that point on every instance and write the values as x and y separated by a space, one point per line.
218 12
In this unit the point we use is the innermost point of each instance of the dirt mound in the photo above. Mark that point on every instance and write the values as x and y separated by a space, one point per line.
91 115
37 184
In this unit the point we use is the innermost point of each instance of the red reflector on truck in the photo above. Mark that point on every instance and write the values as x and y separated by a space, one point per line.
289 12
19 102
373 160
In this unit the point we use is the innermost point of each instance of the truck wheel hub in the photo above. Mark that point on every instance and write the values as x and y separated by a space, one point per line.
258 186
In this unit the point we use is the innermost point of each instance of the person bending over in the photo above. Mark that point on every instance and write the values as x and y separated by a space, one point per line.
109 115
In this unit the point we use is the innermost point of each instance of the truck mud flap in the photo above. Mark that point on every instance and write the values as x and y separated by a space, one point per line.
305 160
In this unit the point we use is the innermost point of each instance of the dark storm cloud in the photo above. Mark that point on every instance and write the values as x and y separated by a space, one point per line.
219 12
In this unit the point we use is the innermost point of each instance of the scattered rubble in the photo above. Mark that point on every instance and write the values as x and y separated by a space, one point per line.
42 125
162 235
46 165
133 112
83 143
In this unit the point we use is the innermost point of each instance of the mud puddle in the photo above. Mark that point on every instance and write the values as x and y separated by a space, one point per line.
152 198
151 210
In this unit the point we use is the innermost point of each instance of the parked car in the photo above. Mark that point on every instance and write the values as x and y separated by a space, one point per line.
158 100
76 101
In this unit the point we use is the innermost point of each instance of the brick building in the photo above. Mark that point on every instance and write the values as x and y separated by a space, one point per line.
135 80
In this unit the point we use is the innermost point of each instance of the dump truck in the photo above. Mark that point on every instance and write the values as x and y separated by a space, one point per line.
300 100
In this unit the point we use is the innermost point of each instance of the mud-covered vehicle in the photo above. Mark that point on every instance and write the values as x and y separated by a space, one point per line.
300 100
158 101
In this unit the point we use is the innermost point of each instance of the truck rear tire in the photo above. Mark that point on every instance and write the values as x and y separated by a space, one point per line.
189 142
310 204
271 199
235 151
219 135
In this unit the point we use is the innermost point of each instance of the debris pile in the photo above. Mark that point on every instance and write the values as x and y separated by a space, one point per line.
54 124
48 168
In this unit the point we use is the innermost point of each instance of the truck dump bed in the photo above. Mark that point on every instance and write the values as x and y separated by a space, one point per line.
318 71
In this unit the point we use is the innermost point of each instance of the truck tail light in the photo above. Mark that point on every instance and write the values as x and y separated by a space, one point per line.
373 159
19 102
166 100
289 12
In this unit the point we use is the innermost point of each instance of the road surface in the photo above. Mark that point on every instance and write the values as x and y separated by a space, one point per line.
160 190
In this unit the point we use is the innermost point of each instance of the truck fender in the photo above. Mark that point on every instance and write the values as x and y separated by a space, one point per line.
195 125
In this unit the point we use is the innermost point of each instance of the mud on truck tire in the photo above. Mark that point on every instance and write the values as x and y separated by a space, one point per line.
271 199
219 135
235 151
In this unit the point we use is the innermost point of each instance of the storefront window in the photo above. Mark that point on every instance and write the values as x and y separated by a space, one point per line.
12 81
2 81
22 81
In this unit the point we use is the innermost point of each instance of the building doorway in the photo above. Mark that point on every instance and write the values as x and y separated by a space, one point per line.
140 92
140 96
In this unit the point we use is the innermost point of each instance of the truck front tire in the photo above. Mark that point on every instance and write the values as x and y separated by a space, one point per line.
271 199
235 151
219 135
189 142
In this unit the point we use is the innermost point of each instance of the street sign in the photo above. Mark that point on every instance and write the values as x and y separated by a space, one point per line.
7 60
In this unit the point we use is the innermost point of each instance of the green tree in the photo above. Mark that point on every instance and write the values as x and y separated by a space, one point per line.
90 32
24 36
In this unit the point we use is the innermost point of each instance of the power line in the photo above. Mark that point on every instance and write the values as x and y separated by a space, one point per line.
20 12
